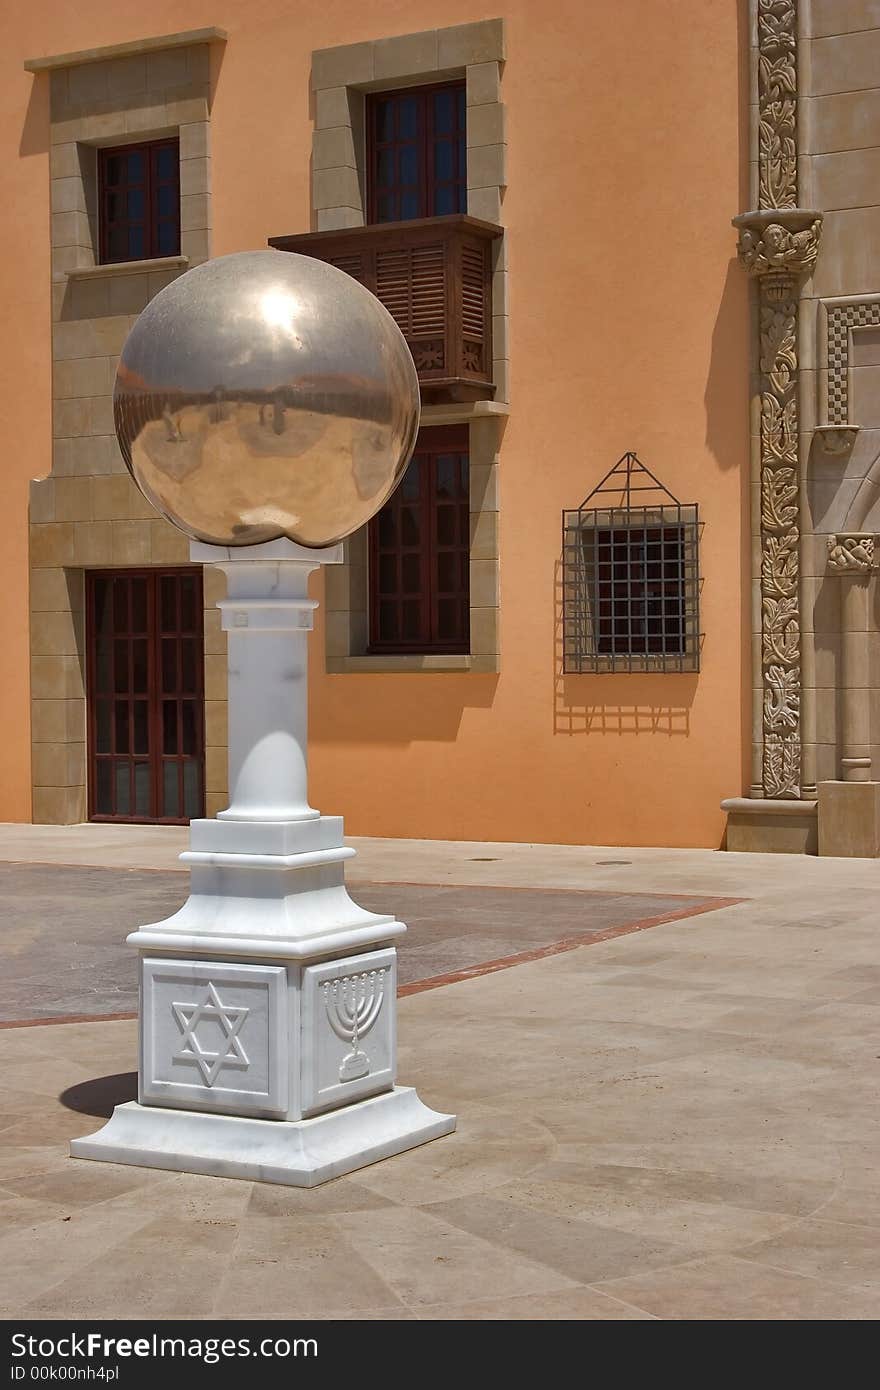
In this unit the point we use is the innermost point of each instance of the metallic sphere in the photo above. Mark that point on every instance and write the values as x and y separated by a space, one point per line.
264 395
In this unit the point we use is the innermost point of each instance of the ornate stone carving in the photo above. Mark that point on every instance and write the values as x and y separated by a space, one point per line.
777 103
772 246
851 554
782 699
778 242
780 540
782 765
221 1019
353 1004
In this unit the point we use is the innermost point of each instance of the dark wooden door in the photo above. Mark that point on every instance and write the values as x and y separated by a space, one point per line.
144 637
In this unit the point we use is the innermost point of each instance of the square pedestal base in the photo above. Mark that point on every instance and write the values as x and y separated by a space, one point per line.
301 1153
849 819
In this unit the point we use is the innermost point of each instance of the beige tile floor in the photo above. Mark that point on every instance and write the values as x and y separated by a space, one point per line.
680 1123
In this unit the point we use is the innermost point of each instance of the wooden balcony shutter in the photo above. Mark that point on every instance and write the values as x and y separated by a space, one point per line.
474 300
411 283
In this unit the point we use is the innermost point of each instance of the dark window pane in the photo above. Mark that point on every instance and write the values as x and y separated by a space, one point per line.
385 120
169 665
446 526
116 206
136 243
387 527
122 781
411 485
445 200
103 788
447 475
139 605
409 206
191 797
388 621
102 607
385 169
444 111
113 168
188 720
443 160
140 683
408 118
167 161
167 199
386 208
117 243
102 666
141 727
169 726
412 620
447 613
446 568
102 726
142 789
120 666
189 653
408 166
136 204
388 574
412 578
135 172
170 793
168 241
121 727
120 605
409 526
188 614
168 594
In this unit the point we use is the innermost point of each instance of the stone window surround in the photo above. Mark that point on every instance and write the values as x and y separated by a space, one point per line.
341 76
839 318
87 513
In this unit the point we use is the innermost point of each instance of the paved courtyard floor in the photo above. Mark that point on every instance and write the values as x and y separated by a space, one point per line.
676 1122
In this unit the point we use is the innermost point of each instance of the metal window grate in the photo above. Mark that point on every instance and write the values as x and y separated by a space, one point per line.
631 577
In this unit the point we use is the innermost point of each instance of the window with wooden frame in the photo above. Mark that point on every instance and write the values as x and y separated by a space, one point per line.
416 153
420 553
139 201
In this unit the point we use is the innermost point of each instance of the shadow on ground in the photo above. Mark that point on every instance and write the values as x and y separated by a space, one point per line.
101 1096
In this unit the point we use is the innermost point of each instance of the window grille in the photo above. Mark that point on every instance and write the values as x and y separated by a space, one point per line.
631 580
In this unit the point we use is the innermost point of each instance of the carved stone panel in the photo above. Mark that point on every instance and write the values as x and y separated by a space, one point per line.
852 554
348 1029
212 1035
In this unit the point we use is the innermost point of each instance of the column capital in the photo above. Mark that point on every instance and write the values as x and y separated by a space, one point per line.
779 242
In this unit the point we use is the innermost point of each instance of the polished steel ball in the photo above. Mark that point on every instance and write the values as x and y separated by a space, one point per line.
263 395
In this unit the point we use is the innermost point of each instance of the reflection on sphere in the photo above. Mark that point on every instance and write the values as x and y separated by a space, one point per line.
266 394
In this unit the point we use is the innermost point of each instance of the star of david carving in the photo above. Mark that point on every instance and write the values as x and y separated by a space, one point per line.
230 1017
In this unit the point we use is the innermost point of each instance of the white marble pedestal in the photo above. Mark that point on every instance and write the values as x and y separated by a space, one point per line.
268 1002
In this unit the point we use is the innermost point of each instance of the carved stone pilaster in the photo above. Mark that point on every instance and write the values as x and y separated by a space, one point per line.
778 244
777 103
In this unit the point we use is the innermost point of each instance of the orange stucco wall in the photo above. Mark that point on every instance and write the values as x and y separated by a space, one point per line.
629 329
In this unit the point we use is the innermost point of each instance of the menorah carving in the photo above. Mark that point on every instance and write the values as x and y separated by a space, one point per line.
353 1004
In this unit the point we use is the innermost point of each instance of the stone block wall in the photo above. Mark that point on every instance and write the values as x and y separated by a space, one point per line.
87 513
